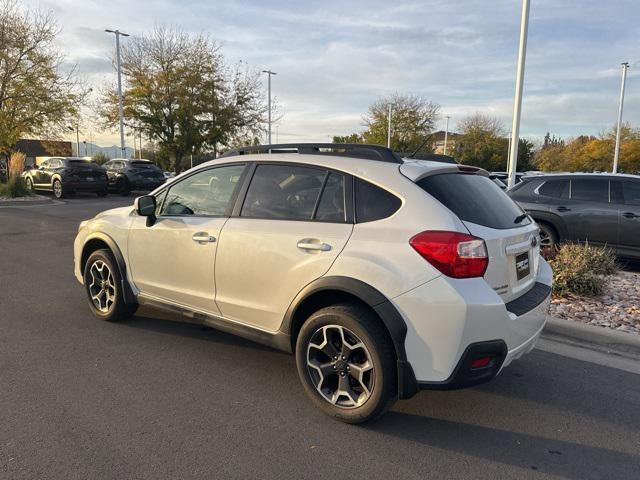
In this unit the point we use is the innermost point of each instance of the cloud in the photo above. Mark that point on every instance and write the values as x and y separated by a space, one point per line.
334 58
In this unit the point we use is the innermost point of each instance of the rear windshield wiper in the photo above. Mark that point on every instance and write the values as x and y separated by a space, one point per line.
519 218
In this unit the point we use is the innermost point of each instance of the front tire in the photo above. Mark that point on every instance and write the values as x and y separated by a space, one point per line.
347 363
103 284
29 183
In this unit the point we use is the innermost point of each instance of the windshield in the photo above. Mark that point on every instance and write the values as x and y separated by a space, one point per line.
140 164
475 199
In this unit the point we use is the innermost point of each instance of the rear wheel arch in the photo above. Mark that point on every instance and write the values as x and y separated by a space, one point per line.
327 291
549 224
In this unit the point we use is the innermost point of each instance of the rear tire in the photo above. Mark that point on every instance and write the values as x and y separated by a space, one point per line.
29 183
124 189
102 193
57 189
548 237
103 284
347 363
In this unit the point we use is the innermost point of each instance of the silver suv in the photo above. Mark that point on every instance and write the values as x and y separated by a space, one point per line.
383 275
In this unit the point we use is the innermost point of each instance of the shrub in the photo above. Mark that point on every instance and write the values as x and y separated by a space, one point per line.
15 187
580 269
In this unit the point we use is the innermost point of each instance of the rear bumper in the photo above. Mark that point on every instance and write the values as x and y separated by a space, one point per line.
446 319
84 186
146 184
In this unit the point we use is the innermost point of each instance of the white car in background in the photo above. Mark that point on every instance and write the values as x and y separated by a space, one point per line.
383 275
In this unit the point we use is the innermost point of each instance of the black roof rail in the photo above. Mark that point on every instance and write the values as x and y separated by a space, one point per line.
353 150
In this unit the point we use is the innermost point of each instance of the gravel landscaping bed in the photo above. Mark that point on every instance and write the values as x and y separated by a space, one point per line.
617 308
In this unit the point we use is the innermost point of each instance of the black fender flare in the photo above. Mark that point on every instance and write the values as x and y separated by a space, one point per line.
551 219
388 313
129 296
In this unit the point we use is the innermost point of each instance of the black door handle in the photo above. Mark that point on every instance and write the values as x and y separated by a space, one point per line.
630 215
563 209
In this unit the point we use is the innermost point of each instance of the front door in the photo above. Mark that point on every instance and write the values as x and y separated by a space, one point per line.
291 228
173 259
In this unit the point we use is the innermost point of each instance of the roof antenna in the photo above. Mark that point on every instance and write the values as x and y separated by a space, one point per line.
413 155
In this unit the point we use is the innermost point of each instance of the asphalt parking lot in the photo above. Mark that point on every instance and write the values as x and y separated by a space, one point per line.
152 398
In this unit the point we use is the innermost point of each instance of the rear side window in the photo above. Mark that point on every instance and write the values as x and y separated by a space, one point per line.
374 203
284 192
631 192
555 188
475 199
332 202
590 189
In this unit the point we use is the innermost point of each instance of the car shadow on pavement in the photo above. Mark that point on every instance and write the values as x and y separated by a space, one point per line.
541 454
170 324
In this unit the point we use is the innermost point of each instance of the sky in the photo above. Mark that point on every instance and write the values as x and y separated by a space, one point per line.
333 58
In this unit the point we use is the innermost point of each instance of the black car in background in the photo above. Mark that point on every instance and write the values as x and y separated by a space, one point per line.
65 176
603 209
126 175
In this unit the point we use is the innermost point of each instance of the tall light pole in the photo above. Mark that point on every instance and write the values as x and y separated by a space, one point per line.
616 153
517 102
389 128
446 134
77 130
269 73
117 33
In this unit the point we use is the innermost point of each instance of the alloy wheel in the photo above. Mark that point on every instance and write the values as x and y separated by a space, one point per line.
102 288
57 189
29 184
546 242
340 366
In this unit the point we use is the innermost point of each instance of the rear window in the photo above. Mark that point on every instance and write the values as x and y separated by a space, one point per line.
142 164
475 199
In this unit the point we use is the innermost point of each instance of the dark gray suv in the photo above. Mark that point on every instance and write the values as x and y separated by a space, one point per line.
603 209
126 175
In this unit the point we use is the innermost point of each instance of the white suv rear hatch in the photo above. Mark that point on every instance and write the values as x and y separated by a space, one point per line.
512 239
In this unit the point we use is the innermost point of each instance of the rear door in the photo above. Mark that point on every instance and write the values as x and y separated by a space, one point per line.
589 213
512 239
630 216
291 227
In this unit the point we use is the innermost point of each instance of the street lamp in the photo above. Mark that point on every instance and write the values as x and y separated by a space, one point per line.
118 33
389 127
77 130
446 134
269 74
517 103
616 154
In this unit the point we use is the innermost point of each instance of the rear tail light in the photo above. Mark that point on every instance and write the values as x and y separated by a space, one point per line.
455 254
481 362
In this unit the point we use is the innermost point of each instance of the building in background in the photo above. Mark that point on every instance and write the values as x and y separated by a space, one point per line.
39 150
454 142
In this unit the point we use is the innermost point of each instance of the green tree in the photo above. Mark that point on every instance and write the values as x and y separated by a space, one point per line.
353 138
36 97
180 93
483 142
412 120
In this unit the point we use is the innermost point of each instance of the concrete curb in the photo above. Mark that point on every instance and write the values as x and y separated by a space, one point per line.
25 203
596 338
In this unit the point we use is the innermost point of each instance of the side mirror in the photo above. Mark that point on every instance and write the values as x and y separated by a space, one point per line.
146 207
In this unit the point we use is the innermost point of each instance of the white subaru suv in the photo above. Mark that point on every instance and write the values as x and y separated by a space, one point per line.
383 275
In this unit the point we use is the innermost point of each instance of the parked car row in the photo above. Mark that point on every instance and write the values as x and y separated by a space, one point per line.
602 209
68 175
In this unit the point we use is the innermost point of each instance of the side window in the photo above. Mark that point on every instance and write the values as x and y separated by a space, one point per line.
160 197
590 189
374 203
631 192
285 192
332 203
107 166
206 193
55 164
45 164
554 188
